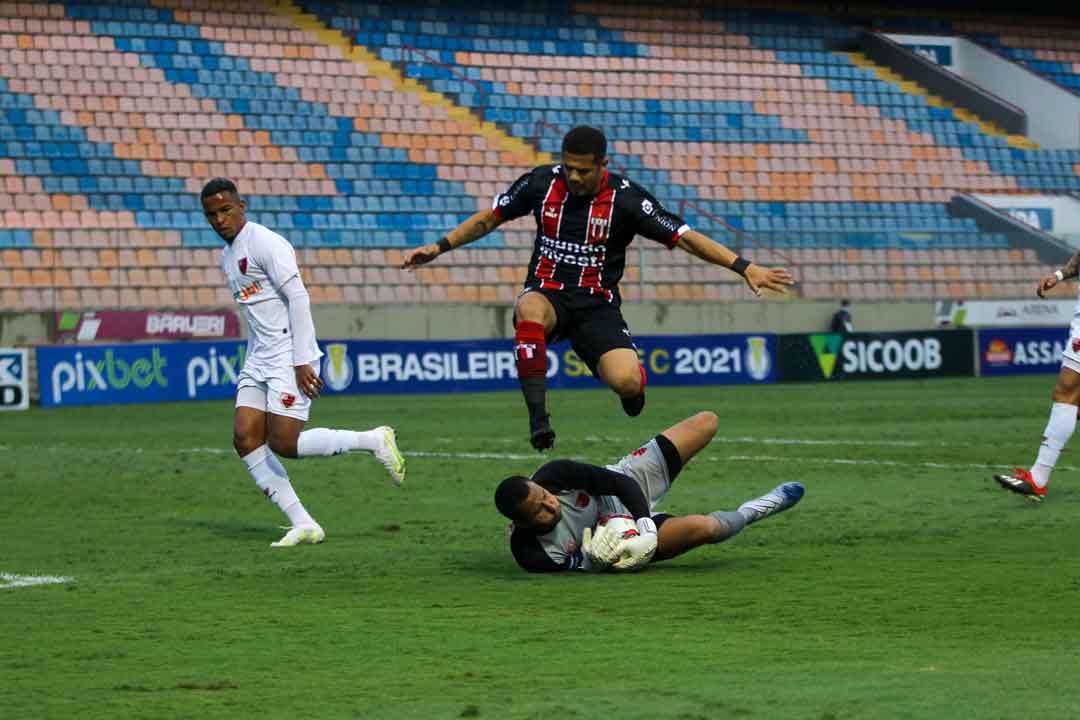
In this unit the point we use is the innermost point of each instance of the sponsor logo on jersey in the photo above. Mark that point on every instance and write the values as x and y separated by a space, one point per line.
647 207
758 360
247 292
242 264
504 201
337 368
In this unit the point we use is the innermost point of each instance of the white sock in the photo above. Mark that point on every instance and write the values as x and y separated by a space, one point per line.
272 479
1057 433
323 442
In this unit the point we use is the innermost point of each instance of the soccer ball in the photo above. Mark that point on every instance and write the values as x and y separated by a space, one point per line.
623 526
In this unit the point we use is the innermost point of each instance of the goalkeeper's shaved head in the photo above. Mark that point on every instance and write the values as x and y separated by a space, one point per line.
510 494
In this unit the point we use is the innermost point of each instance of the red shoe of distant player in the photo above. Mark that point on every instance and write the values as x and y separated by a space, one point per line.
1021 483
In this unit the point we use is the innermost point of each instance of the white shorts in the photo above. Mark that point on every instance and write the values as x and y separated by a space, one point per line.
649 469
1071 358
273 391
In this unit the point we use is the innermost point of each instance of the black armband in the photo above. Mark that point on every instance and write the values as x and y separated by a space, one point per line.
444 245
740 265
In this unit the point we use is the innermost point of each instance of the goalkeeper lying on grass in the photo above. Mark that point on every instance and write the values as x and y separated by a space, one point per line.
575 516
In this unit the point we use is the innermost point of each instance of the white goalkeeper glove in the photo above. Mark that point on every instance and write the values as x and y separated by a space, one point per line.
635 553
601 546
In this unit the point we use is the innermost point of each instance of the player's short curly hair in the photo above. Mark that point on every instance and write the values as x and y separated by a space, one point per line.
219 185
585 140
510 494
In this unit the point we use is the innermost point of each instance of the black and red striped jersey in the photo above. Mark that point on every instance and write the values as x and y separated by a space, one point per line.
581 241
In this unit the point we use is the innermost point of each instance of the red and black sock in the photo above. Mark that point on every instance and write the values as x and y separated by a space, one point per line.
530 352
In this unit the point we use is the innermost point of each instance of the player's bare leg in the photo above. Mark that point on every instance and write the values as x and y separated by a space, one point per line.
684 533
251 438
534 318
621 370
692 434
1032 483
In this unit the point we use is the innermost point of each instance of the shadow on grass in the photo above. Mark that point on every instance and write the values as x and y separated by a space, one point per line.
225 529
492 564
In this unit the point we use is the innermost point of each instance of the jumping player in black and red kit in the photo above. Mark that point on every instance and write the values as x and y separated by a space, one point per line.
585 219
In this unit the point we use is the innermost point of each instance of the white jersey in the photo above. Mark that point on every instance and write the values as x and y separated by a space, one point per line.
256 264
1074 327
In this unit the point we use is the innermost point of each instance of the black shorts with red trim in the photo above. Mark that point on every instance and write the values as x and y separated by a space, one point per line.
591 323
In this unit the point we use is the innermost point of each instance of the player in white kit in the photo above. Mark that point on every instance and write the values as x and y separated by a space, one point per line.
280 376
1032 483
557 512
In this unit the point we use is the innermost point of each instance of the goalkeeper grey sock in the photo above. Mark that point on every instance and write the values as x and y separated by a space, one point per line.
731 524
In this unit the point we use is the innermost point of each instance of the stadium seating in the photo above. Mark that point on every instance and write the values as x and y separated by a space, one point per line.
358 135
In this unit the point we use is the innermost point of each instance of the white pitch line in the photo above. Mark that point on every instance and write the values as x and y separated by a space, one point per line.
9 581
850 461
747 439
806 441
450 455
471 455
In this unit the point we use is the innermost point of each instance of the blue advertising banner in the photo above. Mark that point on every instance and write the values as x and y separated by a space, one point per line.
394 366
160 372
138 372
1014 351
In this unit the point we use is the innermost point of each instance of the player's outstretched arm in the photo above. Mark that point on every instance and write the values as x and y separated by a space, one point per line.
1069 270
756 276
474 228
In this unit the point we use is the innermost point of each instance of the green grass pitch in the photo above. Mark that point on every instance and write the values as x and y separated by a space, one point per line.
906 584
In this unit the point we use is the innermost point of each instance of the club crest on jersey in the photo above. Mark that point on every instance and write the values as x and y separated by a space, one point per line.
1076 345
288 400
242 264
598 229
582 500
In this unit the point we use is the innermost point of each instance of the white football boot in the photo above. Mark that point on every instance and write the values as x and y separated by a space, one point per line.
777 500
388 454
302 535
